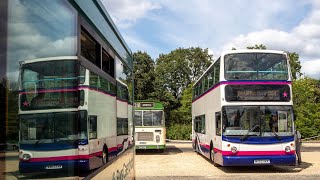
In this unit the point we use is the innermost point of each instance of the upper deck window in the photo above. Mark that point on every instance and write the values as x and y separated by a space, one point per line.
256 66
50 84
90 49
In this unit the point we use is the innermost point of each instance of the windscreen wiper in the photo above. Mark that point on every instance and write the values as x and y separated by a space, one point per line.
276 135
244 137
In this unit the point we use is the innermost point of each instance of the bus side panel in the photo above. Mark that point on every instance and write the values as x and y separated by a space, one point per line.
103 106
122 112
208 105
130 125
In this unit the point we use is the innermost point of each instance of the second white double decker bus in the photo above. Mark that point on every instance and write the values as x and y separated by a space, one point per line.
242 110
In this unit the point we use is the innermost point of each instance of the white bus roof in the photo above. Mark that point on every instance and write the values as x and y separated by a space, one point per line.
240 51
49 59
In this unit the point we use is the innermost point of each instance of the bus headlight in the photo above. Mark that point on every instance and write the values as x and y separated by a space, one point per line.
234 149
26 157
157 138
287 149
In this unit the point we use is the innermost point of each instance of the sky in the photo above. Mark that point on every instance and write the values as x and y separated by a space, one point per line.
160 26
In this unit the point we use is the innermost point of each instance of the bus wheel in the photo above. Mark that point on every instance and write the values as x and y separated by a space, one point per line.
105 155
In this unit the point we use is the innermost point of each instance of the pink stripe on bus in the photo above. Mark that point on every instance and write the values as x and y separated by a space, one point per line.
53 90
257 153
243 83
72 157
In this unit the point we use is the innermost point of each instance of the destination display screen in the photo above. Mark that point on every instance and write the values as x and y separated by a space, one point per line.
144 105
257 93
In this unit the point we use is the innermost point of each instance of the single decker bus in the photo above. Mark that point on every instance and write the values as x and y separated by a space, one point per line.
149 125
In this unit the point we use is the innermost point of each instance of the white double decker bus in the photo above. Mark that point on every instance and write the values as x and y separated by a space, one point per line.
149 125
242 110
75 111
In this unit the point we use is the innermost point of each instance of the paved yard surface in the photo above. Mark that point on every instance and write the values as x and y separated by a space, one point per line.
179 161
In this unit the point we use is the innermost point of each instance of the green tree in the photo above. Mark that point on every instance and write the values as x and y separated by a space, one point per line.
144 75
182 115
180 67
305 98
260 46
295 65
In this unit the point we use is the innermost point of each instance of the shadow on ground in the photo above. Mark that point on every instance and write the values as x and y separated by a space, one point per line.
169 150
48 175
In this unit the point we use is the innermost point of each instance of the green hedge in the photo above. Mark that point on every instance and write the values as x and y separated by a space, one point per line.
179 131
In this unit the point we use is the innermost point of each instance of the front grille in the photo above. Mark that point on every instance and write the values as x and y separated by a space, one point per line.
145 136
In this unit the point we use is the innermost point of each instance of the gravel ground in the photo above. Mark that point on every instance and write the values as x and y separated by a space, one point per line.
179 161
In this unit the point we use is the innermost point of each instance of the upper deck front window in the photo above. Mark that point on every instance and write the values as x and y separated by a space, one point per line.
50 84
256 66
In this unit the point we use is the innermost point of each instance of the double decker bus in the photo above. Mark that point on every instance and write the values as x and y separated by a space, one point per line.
242 110
149 124
75 112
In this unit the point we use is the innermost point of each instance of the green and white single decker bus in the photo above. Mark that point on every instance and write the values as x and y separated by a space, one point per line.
149 125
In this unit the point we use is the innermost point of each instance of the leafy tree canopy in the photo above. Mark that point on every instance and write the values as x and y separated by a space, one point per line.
180 67
144 75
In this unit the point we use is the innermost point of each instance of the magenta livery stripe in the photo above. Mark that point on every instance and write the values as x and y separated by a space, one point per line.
243 83
67 90
112 149
74 157
257 153
122 100
255 82
65 158
93 89
54 90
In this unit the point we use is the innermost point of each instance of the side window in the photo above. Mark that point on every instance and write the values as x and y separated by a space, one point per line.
94 80
218 123
200 124
90 49
217 71
82 74
122 126
93 127
203 120
107 63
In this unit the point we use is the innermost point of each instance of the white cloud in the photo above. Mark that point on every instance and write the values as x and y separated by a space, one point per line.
312 68
127 12
288 25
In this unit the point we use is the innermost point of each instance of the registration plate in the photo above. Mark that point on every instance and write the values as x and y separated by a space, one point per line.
142 147
261 161
54 167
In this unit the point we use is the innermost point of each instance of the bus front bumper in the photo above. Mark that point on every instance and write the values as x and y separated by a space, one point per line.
259 160
69 165
150 146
